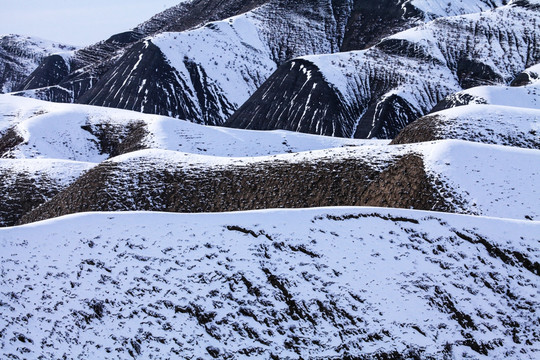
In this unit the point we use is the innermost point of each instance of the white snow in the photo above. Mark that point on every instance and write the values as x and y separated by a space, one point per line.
54 131
499 181
103 285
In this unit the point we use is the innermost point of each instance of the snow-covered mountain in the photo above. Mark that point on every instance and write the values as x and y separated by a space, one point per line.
44 147
34 129
347 283
180 73
21 55
377 92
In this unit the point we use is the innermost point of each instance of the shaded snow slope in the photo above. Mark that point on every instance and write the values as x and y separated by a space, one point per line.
359 283
452 176
31 129
377 92
20 56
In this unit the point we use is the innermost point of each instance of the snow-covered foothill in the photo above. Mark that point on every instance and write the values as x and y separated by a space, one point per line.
320 283
71 132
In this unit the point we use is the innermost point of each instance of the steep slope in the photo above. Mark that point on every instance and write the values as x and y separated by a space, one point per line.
25 184
453 176
183 75
90 63
21 55
377 92
348 283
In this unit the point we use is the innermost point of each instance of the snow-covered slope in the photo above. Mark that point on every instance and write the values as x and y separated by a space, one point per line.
345 283
377 92
490 114
33 129
527 96
21 55
453 176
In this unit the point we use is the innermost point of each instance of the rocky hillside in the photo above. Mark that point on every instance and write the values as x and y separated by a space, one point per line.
25 184
44 147
377 92
446 176
21 55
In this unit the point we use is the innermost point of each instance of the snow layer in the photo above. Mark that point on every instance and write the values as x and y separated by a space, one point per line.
320 283
55 131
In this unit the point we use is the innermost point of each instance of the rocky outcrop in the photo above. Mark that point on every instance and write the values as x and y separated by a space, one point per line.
145 183
25 184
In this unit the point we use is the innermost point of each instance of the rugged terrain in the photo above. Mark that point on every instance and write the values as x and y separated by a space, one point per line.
377 92
348 283
501 115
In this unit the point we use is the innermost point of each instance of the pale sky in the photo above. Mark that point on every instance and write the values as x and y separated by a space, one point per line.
76 22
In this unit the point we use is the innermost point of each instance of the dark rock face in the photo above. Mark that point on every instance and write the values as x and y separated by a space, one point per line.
140 73
21 55
303 81
525 78
50 72
473 73
370 21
